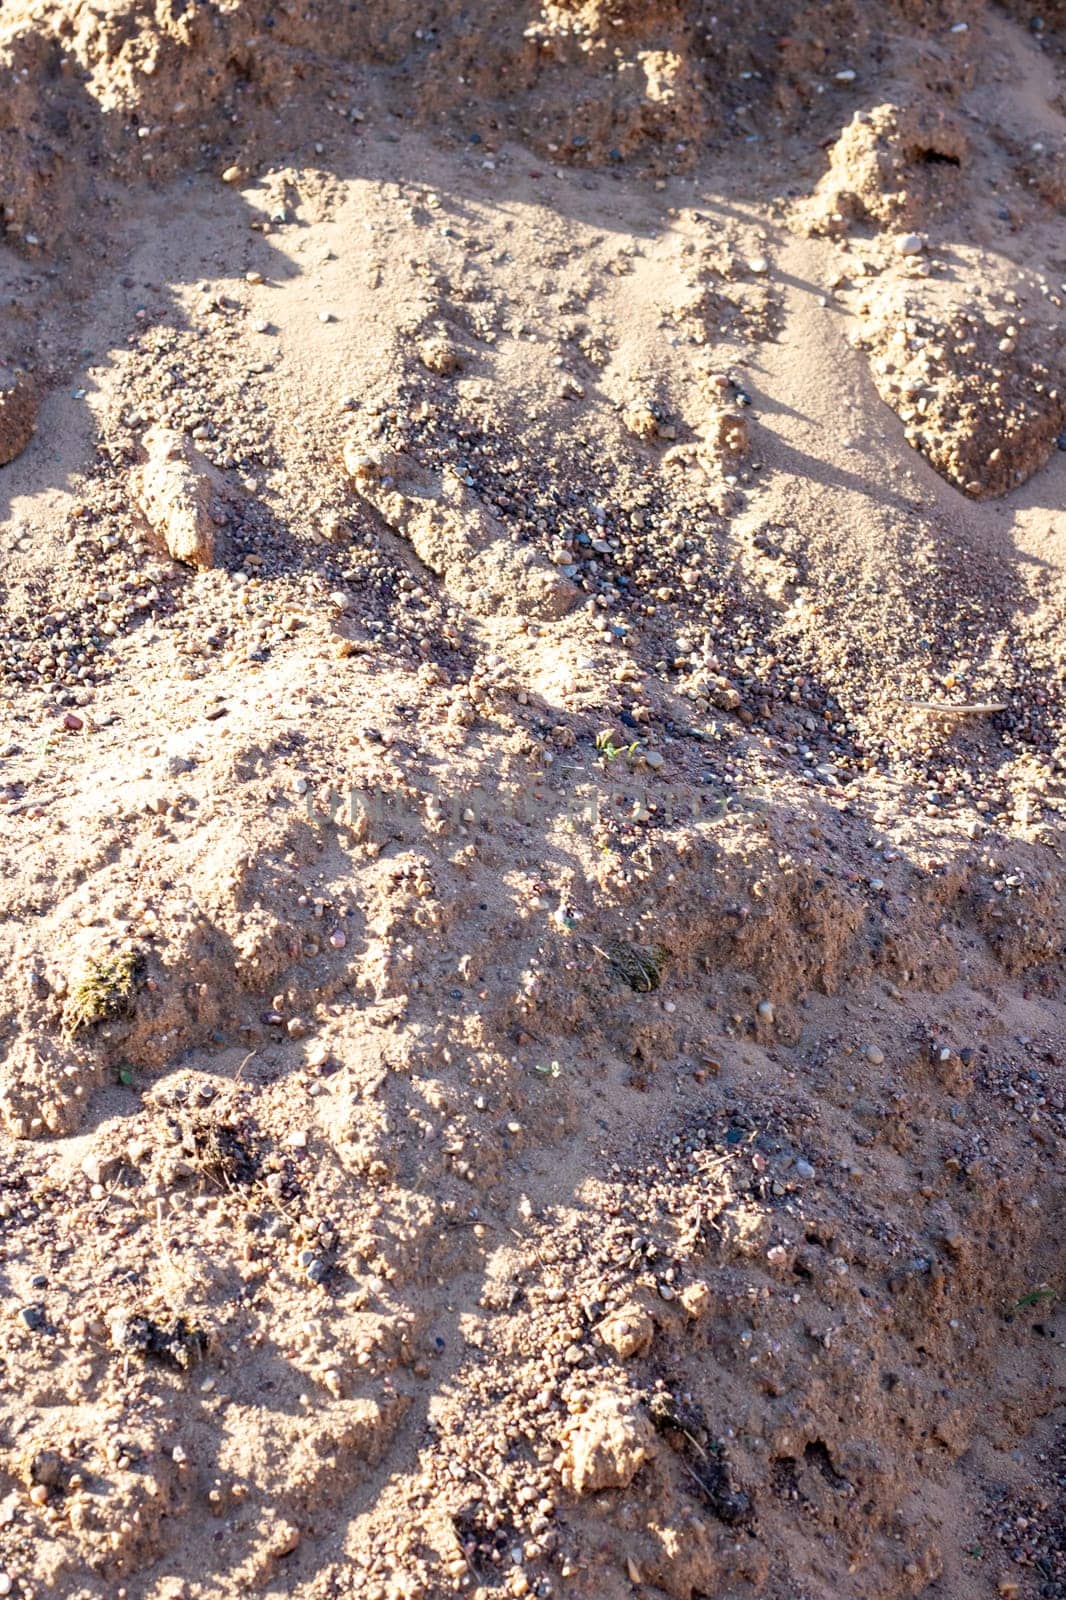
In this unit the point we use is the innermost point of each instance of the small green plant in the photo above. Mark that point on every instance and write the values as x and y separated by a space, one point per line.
103 991
1033 1298
609 751
552 1070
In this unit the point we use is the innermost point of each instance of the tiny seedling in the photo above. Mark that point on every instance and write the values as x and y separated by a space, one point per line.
609 751
552 1070
1033 1298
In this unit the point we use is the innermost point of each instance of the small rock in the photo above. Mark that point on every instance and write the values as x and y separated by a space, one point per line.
99 1168
804 1169
34 1318
318 1053
47 1467
910 244
875 1055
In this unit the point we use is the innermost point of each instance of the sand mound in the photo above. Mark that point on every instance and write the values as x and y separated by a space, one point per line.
980 385
531 800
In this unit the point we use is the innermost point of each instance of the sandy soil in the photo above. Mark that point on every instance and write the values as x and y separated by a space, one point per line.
532 784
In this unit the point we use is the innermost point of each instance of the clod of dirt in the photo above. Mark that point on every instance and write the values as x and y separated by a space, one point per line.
455 536
18 415
173 489
642 419
891 165
628 1331
608 1444
724 440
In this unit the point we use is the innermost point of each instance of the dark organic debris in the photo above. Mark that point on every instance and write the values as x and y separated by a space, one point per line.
639 966
704 1459
177 1346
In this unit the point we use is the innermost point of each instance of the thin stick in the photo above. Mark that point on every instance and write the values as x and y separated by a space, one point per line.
979 708
244 1063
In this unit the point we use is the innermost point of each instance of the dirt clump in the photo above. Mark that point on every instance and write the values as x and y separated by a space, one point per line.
18 415
173 491
894 166
607 1443
980 388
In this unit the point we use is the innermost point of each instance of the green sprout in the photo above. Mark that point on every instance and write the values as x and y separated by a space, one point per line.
606 747
1033 1298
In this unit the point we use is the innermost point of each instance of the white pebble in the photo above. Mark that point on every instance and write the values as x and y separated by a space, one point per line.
910 244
